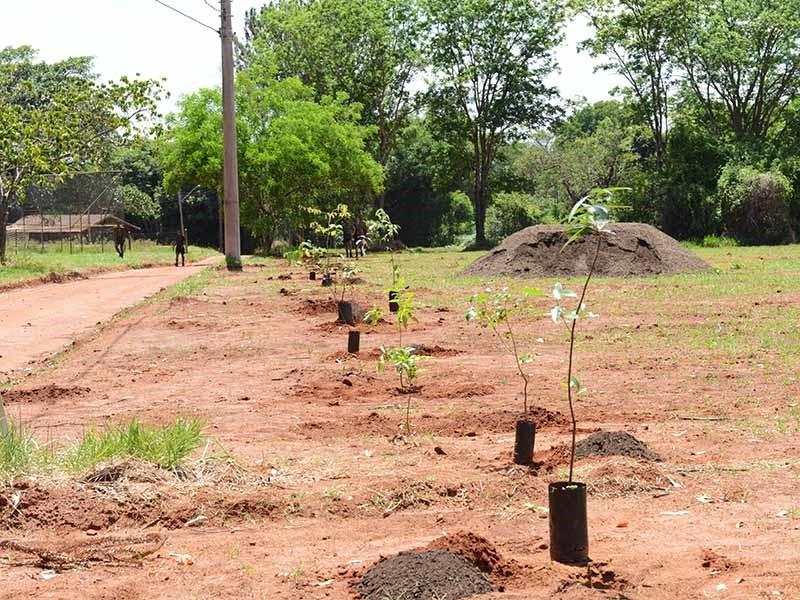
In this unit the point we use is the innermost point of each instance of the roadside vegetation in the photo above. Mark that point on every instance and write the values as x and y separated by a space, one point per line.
32 263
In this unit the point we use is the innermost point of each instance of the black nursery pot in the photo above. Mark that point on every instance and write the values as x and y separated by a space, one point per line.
312 275
327 280
524 441
569 531
394 305
353 341
346 313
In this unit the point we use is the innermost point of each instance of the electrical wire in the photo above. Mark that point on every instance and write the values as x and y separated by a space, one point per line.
190 17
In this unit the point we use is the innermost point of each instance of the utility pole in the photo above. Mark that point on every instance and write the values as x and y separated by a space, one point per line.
233 246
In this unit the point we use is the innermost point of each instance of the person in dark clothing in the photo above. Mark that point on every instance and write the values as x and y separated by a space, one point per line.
347 234
180 248
120 237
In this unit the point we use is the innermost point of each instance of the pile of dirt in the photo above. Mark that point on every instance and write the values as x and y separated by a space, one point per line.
614 443
312 306
479 551
634 249
422 576
47 394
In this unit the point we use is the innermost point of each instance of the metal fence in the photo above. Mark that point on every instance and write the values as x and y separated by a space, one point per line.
81 212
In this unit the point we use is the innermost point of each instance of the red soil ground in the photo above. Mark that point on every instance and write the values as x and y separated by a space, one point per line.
347 485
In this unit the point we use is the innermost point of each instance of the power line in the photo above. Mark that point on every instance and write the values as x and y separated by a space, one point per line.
211 6
190 17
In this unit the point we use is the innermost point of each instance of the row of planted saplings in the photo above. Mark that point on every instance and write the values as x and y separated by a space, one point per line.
498 311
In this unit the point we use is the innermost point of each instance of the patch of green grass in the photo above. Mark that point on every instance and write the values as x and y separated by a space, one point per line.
19 450
34 262
165 446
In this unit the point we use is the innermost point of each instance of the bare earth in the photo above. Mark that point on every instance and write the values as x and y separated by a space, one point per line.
260 360
40 321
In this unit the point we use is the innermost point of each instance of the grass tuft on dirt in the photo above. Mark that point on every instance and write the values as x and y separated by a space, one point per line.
165 446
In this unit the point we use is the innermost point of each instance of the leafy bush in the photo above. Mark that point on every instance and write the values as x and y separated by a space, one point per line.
717 241
754 205
457 219
511 212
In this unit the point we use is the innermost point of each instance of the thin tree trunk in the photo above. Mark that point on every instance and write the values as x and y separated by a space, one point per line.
3 223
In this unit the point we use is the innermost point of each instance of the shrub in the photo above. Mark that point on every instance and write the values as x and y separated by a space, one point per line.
511 212
457 219
754 205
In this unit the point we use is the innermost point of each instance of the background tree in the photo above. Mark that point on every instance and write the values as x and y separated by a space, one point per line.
370 50
489 60
56 118
293 151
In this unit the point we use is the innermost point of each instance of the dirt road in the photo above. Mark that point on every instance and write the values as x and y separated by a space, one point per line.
38 322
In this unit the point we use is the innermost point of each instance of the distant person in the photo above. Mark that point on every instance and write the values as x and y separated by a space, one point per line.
180 248
120 237
360 234
347 233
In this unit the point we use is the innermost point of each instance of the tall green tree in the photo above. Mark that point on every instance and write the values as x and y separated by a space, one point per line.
293 151
633 38
489 60
741 61
370 50
55 118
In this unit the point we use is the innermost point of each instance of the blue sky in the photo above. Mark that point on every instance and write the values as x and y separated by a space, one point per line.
127 37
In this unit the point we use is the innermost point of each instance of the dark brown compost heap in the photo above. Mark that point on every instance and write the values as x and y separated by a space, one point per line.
423 576
614 443
634 249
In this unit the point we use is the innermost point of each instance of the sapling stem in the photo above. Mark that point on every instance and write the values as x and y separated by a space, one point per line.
571 350
519 368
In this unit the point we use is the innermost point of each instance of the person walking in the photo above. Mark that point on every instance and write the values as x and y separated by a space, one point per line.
180 248
120 237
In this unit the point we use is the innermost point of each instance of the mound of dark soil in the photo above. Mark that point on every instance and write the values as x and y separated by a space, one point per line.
614 443
423 576
47 394
635 249
479 551
313 306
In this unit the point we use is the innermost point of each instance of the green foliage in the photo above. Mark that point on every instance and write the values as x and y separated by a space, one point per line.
57 118
405 362
138 204
489 59
381 229
18 450
370 50
497 310
717 241
293 151
754 205
165 446
513 211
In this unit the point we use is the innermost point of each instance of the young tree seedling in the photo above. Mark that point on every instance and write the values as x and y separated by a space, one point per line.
496 310
384 231
404 359
589 216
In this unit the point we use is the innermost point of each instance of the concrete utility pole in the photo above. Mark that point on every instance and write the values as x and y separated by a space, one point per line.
233 246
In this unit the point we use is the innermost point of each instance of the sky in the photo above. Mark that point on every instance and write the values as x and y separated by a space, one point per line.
130 37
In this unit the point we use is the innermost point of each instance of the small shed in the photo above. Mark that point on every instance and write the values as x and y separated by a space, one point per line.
45 228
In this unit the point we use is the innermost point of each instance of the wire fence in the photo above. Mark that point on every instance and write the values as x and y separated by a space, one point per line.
82 213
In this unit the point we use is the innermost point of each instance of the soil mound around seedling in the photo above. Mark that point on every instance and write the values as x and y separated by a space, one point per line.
635 249
423 576
614 443
479 551
48 394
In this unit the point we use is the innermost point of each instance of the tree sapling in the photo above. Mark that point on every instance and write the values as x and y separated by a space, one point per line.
569 536
497 310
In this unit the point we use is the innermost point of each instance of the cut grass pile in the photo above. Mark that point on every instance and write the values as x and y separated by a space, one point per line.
34 262
165 446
